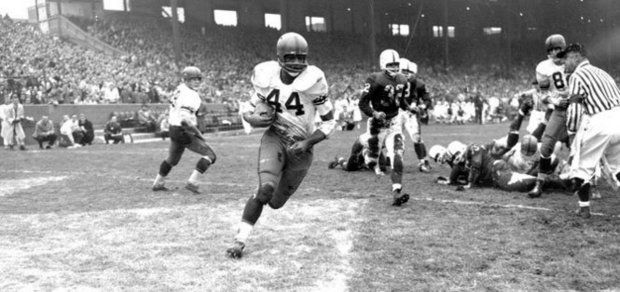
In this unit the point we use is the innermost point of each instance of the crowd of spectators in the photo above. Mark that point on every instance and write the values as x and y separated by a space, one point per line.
43 69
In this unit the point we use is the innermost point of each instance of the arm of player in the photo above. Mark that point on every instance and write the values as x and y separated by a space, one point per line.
367 93
326 126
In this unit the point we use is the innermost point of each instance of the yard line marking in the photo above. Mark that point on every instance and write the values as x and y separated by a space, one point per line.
10 186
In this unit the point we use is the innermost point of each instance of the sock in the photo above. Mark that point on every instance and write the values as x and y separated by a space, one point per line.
251 212
159 180
193 178
584 204
516 124
513 138
164 168
545 165
243 232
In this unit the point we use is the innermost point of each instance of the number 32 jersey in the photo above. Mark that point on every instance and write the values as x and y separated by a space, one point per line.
297 103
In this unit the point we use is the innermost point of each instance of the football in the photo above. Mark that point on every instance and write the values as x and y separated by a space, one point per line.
263 115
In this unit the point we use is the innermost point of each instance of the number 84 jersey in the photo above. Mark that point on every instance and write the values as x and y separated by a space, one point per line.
297 103
548 72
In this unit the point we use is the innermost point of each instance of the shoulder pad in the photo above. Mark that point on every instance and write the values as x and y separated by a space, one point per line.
400 78
309 78
264 72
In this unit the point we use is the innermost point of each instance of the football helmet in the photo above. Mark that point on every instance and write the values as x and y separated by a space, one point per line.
404 66
437 153
456 147
191 72
555 41
529 145
389 61
414 67
292 50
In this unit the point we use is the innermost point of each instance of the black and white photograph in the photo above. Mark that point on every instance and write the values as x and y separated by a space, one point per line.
309 145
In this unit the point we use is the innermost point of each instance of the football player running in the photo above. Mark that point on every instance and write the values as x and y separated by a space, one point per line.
184 133
383 96
296 91
553 85
418 100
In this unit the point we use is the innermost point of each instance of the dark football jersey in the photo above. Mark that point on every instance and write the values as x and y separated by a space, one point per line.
418 95
480 160
385 94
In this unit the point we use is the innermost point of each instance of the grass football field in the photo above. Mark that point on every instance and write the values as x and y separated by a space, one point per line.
85 219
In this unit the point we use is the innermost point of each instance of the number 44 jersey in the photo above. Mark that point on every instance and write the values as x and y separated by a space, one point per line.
296 104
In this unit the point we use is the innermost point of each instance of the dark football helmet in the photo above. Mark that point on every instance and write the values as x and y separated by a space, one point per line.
292 50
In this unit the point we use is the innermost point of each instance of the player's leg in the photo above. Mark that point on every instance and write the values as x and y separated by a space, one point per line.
418 144
395 150
293 174
555 129
374 128
355 161
208 158
595 143
175 152
271 161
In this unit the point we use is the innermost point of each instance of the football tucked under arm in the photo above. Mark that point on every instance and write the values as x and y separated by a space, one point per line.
262 116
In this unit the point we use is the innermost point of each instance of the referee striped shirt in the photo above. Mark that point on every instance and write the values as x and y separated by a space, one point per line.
598 90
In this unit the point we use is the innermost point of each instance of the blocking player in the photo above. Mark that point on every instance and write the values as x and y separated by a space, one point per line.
183 132
296 91
418 100
383 97
553 85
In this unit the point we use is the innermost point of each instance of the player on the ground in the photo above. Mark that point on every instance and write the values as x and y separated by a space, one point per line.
483 166
451 155
357 160
184 133
418 100
383 97
553 85
297 91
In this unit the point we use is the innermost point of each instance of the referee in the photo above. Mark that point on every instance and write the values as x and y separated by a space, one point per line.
592 122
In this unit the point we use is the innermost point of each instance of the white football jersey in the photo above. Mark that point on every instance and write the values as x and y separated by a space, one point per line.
185 103
547 71
296 103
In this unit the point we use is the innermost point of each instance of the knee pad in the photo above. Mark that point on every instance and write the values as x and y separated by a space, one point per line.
264 194
203 164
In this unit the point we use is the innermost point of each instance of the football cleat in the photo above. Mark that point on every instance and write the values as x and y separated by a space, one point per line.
536 192
236 250
159 187
584 212
424 166
399 198
332 164
192 188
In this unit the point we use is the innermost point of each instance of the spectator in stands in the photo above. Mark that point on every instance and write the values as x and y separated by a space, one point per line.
44 132
66 133
110 94
113 131
146 119
87 129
